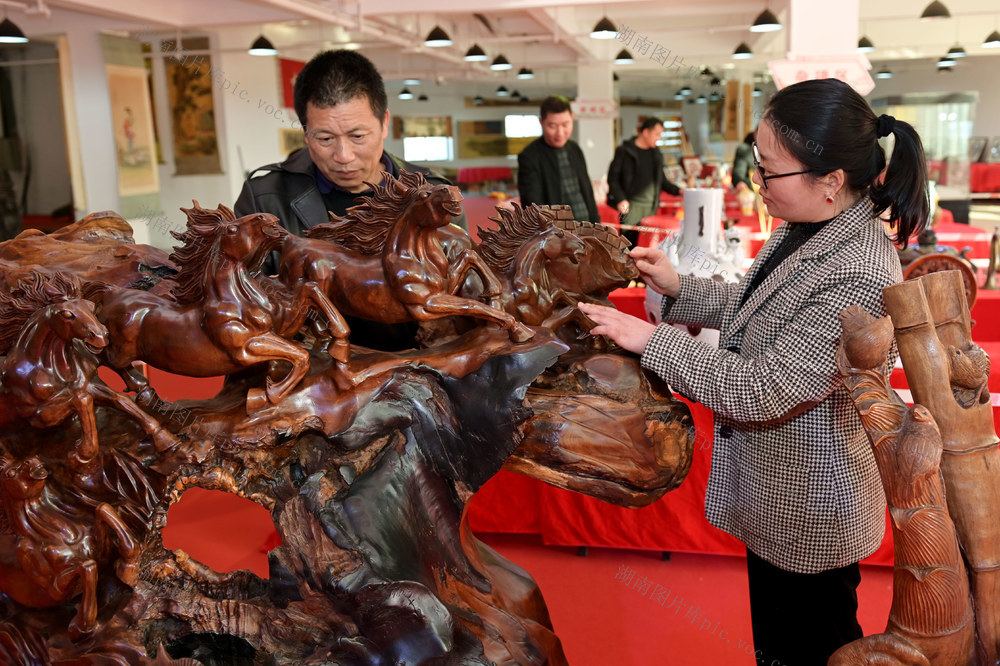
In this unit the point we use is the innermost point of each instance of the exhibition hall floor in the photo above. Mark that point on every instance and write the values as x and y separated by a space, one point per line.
613 606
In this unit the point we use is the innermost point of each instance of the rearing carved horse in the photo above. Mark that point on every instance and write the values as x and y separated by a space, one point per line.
385 260
50 336
222 321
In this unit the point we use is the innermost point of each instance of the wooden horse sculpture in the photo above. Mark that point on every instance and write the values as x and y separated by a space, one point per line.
51 549
385 260
221 320
520 250
50 336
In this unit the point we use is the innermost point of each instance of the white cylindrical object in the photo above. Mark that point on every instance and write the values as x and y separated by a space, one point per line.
703 210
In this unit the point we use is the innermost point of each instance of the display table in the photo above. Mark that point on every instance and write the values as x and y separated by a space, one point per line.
469 175
960 236
984 177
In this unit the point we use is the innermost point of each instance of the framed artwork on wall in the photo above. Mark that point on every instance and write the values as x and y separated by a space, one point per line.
192 112
132 115
977 145
992 155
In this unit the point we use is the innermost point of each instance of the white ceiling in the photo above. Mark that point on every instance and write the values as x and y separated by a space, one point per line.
550 37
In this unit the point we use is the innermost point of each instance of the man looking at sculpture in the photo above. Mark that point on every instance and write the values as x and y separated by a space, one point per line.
341 101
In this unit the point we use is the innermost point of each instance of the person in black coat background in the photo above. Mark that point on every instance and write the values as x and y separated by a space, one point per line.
743 162
552 170
635 177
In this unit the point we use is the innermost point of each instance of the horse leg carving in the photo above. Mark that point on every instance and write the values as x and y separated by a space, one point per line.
470 260
85 454
336 326
136 382
85 620
163 439
270 347
442 305
127 567
930 315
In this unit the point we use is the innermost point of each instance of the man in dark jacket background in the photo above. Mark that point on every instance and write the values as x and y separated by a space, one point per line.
552 170
340 100
635 177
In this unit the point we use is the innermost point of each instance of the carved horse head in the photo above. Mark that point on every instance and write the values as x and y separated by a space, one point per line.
22 480
216 238
49 306
409 202
76 320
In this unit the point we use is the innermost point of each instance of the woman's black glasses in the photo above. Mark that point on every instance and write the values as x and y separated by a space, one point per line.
760 170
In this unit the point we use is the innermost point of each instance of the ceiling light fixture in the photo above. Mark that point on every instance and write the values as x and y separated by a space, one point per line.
262 46
604 29
883 73
11 34
686 90
945 62
405 94
477 100
935 10
422 98
411 82
865 45
766 22
678 95
502 91
624 58
500 63
992 40
957 51
757 92
525 73
701 99
475 54
742 52
437 37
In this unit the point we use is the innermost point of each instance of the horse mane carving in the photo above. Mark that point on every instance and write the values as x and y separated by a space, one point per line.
32 294
617 245
365 226
203 227
498 247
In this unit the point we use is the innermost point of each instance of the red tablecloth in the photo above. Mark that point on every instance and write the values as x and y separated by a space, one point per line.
984 177
960 236
482 174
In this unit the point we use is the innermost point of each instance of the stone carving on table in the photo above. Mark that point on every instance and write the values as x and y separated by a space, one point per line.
927 257
364 459
940 467
703 249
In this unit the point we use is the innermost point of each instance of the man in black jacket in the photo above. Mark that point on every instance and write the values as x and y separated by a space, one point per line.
340 99
635 177
552 170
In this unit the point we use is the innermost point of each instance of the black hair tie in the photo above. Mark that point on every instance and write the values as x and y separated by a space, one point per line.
886 124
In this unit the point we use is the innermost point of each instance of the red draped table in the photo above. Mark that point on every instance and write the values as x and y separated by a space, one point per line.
468 175
984 177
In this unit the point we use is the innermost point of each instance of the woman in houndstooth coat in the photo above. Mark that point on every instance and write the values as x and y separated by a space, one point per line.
792 473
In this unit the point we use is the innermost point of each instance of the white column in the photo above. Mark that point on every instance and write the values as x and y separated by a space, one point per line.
815 30
596 135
